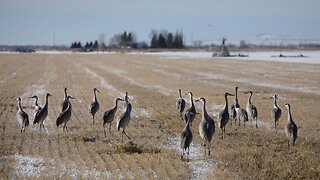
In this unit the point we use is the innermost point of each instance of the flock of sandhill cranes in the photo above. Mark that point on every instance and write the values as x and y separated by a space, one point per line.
41 113
207 124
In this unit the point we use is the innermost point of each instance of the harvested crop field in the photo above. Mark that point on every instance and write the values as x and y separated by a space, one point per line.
152 83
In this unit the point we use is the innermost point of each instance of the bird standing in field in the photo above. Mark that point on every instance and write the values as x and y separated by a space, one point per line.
233 113
65 116
36 105
108 116
223 117
206 127
276 112
186 138
94 106
252 110
181 104
42 114
190 113
64 103
22 116
242 115
291 128
124 118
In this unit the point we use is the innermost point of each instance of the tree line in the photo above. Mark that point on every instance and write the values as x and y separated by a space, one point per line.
161 39
164 39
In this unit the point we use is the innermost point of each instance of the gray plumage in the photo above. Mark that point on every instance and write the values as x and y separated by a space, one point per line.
124 118
242 115
252 110
108 116
42 114
180 104
233 113
191 112
36 105
186 137
94 106
65 102
22 117
223 117
206 127
276 112
291 128
65 116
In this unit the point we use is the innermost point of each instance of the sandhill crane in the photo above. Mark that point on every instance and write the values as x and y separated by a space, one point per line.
242 115
233 113
65 116
291 128
186 137
124 118
94 106
276 112
223 117
22 116
206 127
36 105
190 113
64 103
42 114
252 110
108 116
181 104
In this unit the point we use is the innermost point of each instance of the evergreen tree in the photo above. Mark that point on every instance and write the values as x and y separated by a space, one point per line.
169 40
95 45
154 43
161 41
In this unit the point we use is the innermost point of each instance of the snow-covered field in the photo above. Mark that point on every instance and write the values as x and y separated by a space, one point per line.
310 56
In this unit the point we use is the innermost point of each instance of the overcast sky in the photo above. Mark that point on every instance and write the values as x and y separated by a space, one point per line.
35 21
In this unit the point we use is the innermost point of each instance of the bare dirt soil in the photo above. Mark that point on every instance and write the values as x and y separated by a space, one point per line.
152 83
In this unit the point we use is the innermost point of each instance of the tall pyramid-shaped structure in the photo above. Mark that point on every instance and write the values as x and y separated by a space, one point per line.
223 50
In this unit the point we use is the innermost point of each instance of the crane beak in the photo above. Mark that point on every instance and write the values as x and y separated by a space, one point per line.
98 91
72 97
197 100
231 94
246 92
121 99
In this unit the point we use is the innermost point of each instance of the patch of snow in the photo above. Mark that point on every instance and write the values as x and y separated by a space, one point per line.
102 81
143 174
312 57
73 170
28 166
196 162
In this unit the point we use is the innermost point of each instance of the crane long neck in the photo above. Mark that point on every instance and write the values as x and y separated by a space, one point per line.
275 102
226 103
289 115
249 100
65 94
94 95
204 111
37 101
116 106
236 97
19 105
46 105
180 94
191 99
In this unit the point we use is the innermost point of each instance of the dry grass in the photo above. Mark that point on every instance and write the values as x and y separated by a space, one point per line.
84 152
